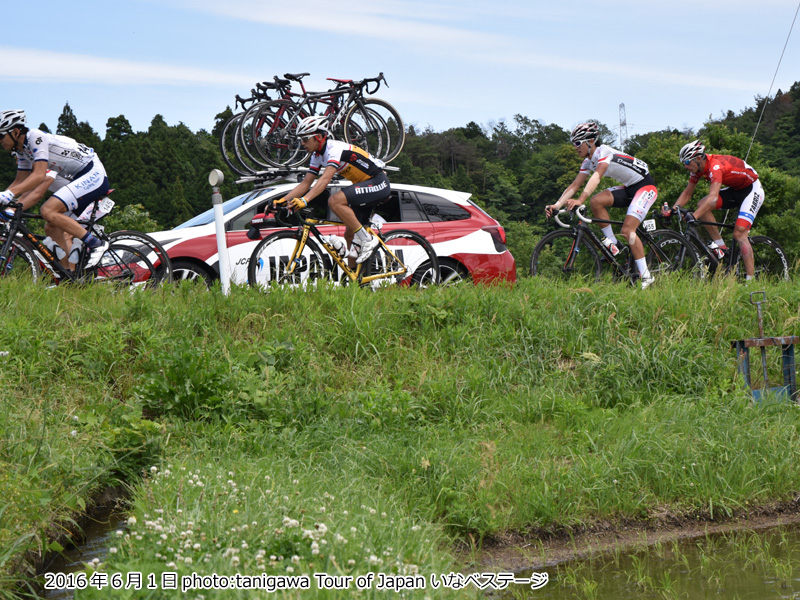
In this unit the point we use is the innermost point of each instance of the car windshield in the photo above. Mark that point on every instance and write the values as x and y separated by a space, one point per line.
232 204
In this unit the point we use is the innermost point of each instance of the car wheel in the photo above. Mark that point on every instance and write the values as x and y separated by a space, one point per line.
189 271
451 273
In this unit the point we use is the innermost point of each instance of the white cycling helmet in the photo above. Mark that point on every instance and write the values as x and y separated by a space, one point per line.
12 118
585 132
312 125
691 150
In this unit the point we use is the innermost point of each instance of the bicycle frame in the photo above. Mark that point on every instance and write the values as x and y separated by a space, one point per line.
692 235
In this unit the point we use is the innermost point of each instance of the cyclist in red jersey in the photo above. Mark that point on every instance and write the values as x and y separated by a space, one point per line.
742 191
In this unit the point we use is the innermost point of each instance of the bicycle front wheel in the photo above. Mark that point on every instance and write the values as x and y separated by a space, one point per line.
228 139
19 260
769 258
375 126
558 255
670 252
405 258
152 249
276 261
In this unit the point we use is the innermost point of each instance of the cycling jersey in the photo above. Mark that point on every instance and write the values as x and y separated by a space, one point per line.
728 170
63 155
621 167
351 162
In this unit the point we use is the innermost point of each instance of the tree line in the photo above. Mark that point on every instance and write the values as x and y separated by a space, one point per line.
513 168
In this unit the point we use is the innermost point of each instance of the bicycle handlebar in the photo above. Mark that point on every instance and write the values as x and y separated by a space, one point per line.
563 211
578 211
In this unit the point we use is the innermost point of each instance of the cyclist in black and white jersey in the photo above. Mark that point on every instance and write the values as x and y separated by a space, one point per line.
80 178
330 157
638 191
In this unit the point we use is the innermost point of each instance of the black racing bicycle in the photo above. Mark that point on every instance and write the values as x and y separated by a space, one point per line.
768 256
576 251
126 258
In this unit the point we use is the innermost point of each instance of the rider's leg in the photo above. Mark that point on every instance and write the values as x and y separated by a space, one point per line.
599 204
704 207
54 212
63 239
740 233
643 199
340 207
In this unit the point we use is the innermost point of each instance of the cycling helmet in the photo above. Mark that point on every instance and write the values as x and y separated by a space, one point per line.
10 119
691 150
585 132
311 126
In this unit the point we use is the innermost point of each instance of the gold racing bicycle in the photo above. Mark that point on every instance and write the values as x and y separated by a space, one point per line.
302 255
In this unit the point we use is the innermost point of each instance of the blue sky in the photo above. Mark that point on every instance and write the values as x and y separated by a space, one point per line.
672 63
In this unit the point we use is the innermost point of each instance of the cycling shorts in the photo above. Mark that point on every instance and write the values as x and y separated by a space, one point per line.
748 200
89 185
639 197
366 195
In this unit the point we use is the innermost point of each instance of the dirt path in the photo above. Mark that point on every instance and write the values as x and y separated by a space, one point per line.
533 550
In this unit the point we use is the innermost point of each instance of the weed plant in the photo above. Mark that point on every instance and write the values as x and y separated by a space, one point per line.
465 411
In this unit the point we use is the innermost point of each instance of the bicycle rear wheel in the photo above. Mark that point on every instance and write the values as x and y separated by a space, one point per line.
406 259
20 260
151 248
273 262
670 252
123 266
559 256
228 138
269 135
769 259
379 128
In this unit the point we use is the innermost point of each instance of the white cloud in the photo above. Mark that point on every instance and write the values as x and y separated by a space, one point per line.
23 64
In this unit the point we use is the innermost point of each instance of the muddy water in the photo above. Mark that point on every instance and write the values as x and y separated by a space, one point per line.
100 536
741 565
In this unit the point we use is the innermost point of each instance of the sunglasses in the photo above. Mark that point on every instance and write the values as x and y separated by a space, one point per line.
578 144
687 162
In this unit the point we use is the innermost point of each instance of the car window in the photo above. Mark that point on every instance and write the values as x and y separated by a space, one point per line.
440 209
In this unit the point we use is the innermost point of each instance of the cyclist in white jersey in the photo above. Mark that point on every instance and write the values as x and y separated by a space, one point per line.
331 157
80 177
637 192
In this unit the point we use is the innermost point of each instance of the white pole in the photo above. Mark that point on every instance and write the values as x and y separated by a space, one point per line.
215 178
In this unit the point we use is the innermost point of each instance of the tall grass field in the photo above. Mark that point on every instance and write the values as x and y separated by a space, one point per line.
346 431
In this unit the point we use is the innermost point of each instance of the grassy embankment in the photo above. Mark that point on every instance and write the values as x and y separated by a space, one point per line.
346 431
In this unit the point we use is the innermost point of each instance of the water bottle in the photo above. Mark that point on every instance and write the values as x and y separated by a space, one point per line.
666 211
51 245
719 252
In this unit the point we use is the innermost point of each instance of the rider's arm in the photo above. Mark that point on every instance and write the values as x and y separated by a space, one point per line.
29 180
302 187
568 193
321 184
686 194
31 198
591 186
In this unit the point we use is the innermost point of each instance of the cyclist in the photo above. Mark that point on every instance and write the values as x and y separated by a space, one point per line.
331 157
638 191
742 190
80 176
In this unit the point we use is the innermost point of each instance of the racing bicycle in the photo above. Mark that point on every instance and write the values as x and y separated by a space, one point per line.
127 258
302 255
576 251
768 256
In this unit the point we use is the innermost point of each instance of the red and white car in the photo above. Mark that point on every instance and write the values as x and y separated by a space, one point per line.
469 243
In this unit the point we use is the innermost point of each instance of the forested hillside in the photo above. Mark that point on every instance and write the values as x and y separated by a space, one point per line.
512 168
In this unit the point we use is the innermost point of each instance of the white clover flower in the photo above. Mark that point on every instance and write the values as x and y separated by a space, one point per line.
372 511
353 530
351 563
119 533
74 433
188 560
131 521
154 470
75 418
296 559
290 569
112 550
170 565
415 528
196 547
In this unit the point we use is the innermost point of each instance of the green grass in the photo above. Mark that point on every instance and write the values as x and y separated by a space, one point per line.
460 413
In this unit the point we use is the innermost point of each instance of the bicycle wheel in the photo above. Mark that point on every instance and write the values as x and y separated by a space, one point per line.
273 257
270 134
124 266
19 261
382 130
670 252
405 258
228 140
769 258
559 257
151 248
